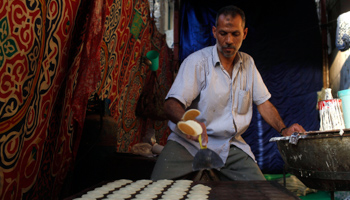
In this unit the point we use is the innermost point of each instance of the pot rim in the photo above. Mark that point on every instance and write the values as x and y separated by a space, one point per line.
316 135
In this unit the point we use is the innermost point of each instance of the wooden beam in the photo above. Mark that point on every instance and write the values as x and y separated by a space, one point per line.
176 33
323 11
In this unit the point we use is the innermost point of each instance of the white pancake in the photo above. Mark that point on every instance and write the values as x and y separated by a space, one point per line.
175 193
151 196
179 187
142 198
187 184
201 186
181 184
114 198
183 181
122 196
93 195
156 186
132 187
124 181
171 196
126 191
109 185
200 191
154 191
140 184
197 196
145 181
164 182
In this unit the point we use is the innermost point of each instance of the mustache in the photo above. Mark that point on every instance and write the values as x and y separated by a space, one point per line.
229 46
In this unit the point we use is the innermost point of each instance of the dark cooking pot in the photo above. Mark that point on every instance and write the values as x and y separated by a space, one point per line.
320 159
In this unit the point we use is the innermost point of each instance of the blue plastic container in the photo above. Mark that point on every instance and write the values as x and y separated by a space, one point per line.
344 95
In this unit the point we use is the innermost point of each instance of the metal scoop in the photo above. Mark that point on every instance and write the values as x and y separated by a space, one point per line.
206 158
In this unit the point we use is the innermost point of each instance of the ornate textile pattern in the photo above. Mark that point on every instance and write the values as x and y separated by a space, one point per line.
53 56
35 143
129 35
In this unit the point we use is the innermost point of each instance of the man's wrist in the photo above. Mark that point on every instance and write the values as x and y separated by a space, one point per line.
282 130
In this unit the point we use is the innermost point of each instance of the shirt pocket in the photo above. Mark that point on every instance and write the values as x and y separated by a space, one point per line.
243 102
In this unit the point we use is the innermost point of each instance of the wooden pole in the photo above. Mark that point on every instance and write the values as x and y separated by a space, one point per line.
176 33
324 44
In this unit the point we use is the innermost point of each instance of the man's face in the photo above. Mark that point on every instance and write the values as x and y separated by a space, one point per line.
229 34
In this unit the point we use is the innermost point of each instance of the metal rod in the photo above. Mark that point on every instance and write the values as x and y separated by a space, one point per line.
332 195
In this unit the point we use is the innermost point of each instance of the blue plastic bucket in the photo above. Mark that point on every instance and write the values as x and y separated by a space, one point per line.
344 95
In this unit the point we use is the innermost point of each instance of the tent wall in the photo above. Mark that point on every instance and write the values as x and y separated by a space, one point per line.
53 56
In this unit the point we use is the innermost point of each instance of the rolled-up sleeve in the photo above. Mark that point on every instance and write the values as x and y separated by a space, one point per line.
189 80
260 91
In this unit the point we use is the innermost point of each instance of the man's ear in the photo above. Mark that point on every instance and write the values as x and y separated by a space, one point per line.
245 31
214 31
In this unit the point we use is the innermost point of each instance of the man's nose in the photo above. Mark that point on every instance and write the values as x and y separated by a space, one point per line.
229 39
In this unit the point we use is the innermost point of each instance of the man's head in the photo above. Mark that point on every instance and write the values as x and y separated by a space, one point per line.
230 30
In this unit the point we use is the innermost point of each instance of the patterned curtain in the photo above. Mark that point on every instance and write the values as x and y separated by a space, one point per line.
53 56
129 35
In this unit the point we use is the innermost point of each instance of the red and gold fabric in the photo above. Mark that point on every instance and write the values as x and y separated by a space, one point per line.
53 56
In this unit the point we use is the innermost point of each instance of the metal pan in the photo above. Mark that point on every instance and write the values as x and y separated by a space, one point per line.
320 159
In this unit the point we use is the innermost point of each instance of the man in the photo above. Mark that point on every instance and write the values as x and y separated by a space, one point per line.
222 83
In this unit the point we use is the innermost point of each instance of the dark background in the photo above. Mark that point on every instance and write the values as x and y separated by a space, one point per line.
285 41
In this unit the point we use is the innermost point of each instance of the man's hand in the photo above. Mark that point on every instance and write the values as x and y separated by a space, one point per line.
293 128
204 135
273 118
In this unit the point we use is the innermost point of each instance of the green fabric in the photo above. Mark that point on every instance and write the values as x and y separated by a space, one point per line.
320 195
175 161
271 177
136 25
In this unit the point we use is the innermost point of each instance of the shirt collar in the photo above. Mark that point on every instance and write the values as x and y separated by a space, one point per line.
216 60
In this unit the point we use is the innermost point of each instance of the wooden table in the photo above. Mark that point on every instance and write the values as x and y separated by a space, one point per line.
233 190
249 190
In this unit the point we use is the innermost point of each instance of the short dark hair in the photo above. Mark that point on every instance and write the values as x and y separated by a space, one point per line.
230 10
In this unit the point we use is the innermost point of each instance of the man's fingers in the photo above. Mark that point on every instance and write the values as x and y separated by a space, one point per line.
195 138
298 128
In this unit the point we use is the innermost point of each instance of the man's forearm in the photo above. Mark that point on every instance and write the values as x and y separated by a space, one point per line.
174 110
271 115
273 118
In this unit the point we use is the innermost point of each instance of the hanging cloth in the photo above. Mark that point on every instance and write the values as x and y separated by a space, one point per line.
342 41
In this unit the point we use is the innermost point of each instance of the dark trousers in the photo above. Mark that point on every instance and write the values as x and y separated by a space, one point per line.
175 162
